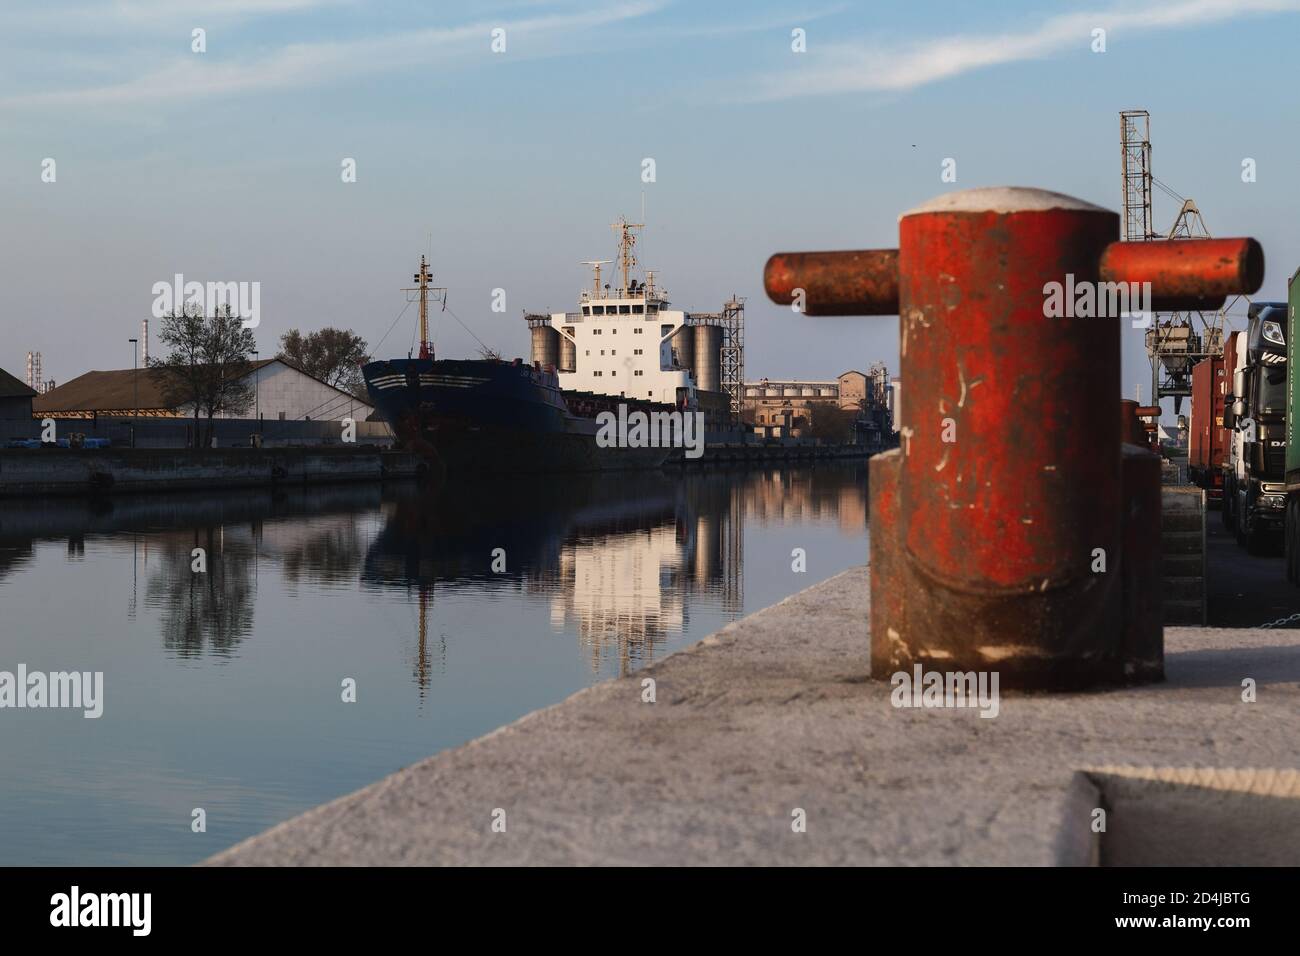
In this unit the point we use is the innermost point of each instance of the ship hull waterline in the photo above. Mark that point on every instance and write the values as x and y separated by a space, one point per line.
468 417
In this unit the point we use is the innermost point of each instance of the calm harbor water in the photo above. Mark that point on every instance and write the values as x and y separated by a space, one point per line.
223 690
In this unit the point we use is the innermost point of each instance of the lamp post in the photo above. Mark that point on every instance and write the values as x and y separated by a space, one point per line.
135 386
257 388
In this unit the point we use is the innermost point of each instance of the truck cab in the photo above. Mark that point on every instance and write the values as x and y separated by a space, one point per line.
1255 414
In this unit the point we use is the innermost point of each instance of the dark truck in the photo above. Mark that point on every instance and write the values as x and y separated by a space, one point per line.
1255 414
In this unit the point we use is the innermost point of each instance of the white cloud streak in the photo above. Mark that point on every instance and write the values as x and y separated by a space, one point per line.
875 67
192 76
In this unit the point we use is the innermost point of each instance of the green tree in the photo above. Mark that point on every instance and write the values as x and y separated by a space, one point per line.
334 356
206 368
830 423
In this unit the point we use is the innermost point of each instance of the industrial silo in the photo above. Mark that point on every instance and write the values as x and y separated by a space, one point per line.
708 358
568 351
546 346
683 343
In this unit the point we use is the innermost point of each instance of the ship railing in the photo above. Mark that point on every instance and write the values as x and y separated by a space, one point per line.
657 295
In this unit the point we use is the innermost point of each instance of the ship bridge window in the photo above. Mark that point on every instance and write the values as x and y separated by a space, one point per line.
637 309
586 310
624 310
597 310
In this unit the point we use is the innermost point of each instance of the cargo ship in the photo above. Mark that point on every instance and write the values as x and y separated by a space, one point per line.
488 415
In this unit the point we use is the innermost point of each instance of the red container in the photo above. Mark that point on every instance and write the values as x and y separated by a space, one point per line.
1207 438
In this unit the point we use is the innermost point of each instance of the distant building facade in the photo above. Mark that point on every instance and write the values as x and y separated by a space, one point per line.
281 391
781 408
15 398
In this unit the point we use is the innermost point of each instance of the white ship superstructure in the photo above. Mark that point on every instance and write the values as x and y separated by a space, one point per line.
627 341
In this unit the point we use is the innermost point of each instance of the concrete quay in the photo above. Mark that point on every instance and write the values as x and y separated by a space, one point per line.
776 712
69 471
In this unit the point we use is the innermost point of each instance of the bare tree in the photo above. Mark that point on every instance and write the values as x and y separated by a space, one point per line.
207 366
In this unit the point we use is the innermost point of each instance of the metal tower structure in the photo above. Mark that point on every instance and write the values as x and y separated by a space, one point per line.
34 379
1135 145
733 354
1175 341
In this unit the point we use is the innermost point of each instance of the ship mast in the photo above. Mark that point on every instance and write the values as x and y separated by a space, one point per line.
626 260
596 264
423 278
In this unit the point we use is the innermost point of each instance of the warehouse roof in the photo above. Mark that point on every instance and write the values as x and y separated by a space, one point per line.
118 390
11 387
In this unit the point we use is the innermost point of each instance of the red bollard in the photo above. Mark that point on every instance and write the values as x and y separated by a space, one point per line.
1008 533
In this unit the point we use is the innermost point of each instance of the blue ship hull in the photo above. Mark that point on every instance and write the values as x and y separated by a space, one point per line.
474 416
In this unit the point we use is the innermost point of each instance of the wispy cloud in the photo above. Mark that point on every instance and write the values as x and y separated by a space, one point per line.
110 16
191 76
783 21
872 66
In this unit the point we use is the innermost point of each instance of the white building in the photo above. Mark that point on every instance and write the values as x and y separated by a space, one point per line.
623 346
281 392
626 341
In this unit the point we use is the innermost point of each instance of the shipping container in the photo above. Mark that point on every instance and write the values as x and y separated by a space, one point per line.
1207 439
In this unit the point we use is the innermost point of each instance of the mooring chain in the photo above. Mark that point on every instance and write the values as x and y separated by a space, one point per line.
1285 620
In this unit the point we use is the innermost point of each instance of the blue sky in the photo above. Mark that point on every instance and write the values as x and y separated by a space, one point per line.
508 167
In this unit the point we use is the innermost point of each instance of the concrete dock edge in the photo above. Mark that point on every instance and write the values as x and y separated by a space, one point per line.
773 715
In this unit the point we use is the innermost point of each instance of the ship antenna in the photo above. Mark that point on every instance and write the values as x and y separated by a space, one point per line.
596 264
625 243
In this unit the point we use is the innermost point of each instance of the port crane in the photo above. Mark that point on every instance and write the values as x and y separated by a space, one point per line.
1175 341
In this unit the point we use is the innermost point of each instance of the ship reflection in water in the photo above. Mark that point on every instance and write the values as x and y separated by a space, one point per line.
618 561
455 611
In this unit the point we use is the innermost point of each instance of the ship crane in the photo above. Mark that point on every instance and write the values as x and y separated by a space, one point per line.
1175 341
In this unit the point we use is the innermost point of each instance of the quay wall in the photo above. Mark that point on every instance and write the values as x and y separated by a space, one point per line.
56 471
179 432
